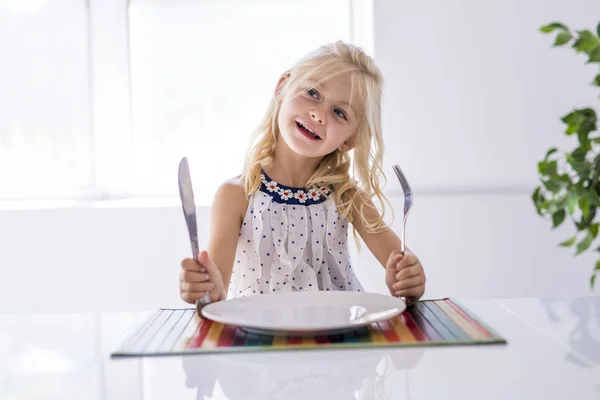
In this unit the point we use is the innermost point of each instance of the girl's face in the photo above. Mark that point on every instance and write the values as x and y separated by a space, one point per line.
320 119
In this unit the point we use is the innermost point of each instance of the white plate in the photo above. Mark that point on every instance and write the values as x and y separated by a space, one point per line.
299 313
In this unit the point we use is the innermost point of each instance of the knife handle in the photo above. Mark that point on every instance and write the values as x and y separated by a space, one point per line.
195 250
203 301
195 247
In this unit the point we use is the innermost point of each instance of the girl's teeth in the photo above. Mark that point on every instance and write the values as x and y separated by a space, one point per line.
308 130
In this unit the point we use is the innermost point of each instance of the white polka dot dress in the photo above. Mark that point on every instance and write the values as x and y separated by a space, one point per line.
291 239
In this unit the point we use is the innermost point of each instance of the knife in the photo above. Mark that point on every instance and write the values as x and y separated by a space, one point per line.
186 193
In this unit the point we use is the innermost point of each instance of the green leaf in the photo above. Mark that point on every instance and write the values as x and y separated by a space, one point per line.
551 27
579 154
582 136
556 204
582 168
594 55
547 168
550 152
562 39
579 190
553 185
538 200
572 203
597 268
598 29
536 194
564 178
584 46
585 42
596 81
571 129
543 168
574 117
587 126
584 244
558 218
585 116
569 242
593 197
545 205
535 197
588 113
594 230
584 206
593 280
585 171
586 34
587 219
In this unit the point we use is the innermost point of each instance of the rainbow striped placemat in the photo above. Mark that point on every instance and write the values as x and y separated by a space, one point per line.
427 323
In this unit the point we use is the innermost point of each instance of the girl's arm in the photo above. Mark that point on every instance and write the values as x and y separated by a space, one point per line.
404 274
226 217
381 244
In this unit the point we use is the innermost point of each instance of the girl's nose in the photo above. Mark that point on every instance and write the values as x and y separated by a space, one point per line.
316 116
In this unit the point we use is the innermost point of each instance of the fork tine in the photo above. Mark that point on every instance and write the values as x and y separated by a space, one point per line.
408 199
403 181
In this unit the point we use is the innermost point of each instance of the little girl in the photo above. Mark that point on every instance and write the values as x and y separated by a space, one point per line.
282 225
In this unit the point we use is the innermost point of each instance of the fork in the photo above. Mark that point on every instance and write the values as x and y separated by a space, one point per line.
408 201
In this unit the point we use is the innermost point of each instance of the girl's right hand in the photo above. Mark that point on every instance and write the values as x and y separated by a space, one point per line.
198 278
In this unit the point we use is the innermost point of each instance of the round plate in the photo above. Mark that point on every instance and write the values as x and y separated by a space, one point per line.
297 313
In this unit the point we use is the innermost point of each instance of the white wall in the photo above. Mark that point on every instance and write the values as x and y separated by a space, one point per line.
474 90
473 99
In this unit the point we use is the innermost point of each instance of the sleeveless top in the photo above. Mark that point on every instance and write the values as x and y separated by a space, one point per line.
291 239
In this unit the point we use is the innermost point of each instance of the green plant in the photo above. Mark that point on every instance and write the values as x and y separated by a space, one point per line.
570 181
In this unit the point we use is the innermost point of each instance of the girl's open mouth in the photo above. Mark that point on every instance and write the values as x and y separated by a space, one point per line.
307 132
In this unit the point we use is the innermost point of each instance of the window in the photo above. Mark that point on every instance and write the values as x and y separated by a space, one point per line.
103 100
45 118
202 76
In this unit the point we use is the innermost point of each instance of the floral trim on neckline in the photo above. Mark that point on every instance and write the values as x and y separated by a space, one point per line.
291 195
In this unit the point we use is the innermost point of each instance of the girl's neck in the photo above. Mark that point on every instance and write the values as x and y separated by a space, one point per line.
289 168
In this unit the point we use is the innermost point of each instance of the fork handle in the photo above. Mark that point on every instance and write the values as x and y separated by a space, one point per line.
403 237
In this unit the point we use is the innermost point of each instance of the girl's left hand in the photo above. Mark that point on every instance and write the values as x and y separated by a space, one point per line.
405 276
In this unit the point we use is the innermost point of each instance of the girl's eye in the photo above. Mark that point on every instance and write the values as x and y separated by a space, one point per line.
340 113
312 93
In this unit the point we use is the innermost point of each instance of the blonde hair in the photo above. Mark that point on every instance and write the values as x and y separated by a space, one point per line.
334 169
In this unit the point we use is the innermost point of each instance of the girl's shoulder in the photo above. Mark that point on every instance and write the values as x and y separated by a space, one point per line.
231 196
